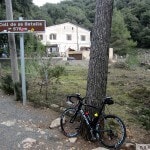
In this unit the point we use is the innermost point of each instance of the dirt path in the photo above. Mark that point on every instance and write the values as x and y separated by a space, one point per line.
25 127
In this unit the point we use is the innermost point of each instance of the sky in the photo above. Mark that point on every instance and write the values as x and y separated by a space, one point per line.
42 2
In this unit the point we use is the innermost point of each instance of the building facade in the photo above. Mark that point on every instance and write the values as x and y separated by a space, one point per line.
63 37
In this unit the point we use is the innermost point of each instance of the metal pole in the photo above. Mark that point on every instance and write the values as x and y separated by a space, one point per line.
12 47
23 80
77 38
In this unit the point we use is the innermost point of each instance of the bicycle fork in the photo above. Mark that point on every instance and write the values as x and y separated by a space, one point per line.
88 124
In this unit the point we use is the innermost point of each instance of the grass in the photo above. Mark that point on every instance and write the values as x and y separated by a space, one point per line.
121 82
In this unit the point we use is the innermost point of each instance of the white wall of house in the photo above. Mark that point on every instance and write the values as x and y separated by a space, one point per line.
66 35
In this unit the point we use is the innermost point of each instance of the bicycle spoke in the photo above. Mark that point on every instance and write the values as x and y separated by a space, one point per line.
70 122
112 133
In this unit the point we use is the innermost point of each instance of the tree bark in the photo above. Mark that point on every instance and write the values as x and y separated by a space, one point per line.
12 46
99 55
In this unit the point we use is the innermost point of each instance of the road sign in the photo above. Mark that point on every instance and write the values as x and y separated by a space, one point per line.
23 26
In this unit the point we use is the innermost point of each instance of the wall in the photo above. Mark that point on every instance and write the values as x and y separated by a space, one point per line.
62 30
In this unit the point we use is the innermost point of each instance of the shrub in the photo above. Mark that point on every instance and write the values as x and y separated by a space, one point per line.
43 90
141 102
7 84
121 65
132 60
144 117
8 87
140 93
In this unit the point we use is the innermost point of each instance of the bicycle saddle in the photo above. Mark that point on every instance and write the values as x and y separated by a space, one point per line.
108 100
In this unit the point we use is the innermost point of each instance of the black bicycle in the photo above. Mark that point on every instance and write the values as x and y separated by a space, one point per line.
108 129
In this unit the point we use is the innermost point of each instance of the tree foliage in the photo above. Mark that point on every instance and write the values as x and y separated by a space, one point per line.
137 18
131 19
120 35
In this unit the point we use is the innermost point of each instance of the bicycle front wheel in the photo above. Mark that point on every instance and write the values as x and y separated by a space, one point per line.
70 122
111 131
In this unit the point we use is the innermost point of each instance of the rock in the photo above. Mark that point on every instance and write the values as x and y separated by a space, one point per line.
100 148
62 108
129 134
28 143
28 129
72 140
41 131
9 123
54 106
72 148
55 123
128 146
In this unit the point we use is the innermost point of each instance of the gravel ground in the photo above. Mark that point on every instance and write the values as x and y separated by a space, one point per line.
26 127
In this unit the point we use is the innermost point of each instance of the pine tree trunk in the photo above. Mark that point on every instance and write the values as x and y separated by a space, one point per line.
12 46
99 55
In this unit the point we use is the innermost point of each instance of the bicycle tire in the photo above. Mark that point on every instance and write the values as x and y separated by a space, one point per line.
70 129
111 131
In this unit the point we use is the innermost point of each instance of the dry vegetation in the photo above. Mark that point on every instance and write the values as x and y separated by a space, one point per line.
130 89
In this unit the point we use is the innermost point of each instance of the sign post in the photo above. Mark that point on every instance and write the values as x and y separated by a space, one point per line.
22 26
23 80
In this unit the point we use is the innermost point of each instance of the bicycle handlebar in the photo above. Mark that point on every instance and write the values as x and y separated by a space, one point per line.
77 95
106 100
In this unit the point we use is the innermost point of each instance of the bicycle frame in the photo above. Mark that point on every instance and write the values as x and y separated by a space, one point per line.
97 122
91 125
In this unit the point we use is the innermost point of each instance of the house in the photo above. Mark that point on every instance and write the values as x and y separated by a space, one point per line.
61 38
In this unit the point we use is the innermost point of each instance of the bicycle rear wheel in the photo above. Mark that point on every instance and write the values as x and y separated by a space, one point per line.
111 131
70 122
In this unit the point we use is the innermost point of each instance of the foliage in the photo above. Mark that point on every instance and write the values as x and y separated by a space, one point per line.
2 10
33 47
38 14
45 86
121 65
7 84
141 93
141 103
130 21
132 60
137 16
48 71
8 87
144 114
22 8
120 36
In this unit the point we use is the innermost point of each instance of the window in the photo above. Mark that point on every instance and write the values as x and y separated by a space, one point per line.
52 36
69 37
54 49
40 37
83 37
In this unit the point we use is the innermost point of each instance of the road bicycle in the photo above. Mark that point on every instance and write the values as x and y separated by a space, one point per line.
108 129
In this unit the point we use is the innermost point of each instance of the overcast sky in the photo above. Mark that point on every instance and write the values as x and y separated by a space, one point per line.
42 2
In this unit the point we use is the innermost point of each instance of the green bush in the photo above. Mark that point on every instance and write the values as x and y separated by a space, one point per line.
141 104
44 89
7 84
132 60
144 117
8 87
140 93
121 65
